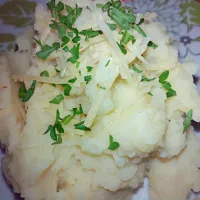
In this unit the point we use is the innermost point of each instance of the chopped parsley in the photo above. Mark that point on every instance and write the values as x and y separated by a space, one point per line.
90 33
57 99
55 9
81 126
87 78
38 42
150 94
67 119
188 120
123 19
163 77
53 129
75 54
134 68
57 70
22 91
108 62
65 40
45 73
145 79
77 111
139 30
47 50
112 27
127 37
122 48
153 45
89 68
67 89
24 94
166 85
73 80
76 39
113 145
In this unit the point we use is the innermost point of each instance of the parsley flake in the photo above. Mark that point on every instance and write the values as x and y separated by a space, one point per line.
77 111
163 77
67 89
150 94
89 68
38 42
122 48
153 45
127 37
73 80
75 54
134 68
139 30
90 33
108 62
67 119
45 73
145 79
47 50
24 94
188 120
81 126
113 145
112 27
57 99
87 78
22 91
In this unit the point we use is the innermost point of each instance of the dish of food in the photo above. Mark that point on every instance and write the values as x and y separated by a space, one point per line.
96 102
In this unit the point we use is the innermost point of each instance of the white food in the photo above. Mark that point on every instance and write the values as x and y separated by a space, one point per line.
148 128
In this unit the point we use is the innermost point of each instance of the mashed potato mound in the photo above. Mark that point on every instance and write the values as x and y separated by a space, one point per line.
123 100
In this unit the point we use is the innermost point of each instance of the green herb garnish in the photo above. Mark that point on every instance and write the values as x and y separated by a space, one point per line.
81 126
45 73
47 50
113 145
55 9
145 79
57 99
56 127
127 37
166 85
87 78
57 70
77 111
122 48
163 77
150 94
38 42
123 19
22 91
90 33
188 120
89 68
112 27
153 45
134 68
73 80
75 54
139 30
24 94
108 62
67 119
67 89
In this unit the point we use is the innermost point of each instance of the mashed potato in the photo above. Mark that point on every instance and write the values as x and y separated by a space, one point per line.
110 105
